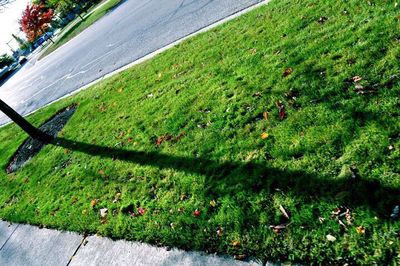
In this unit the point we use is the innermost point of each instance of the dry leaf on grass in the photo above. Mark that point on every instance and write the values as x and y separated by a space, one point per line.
283 211
287 72
264 135
330 238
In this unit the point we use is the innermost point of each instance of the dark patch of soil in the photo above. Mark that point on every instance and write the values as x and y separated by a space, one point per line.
31 146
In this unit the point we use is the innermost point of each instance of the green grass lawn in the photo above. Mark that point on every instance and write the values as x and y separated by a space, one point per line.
198 128
81 25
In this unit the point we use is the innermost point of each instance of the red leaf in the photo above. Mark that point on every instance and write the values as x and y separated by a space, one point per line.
141 211
196 213
281 108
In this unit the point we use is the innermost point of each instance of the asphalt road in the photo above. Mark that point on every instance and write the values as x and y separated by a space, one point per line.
132 30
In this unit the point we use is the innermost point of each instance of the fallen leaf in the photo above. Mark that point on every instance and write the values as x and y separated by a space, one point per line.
264 135
284 212
239 257
357 78
163 138
196 213
120 90
103 212
180 135
287 72
117 197
236 243
257 94
101 172
93 203
278 228
266 115
141 211
183 197
281 109
213 203
322 20
74 200
360 230
331 238
342 224
220 231
121 134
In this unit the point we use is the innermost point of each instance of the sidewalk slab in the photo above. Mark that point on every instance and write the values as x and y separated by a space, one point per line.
6 230
103 251
29 245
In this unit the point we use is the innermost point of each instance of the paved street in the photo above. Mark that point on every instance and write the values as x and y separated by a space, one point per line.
132 30
29 245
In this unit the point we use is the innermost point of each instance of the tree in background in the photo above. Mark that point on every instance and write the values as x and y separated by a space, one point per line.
6 60
35 20
23 44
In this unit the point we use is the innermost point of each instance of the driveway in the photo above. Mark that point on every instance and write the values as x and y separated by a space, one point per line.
132 30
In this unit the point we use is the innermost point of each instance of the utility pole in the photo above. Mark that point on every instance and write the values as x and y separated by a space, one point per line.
32 131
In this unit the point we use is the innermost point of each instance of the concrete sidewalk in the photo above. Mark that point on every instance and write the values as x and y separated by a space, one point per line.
29 245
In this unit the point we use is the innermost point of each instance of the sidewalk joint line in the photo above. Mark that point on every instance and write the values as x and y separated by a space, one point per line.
9 237
77 249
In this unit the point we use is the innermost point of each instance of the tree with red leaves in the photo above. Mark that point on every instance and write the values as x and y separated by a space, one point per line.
35 20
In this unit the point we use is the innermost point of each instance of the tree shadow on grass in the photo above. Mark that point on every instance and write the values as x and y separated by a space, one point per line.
256 177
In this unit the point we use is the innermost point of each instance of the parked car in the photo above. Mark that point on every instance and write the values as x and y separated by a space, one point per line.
22 60
4 71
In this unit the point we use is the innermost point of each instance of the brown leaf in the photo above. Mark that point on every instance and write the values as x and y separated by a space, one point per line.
360 230
180 135
266 115
287 72
236 243
281 109
93 203
220 231
163 138
239 257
